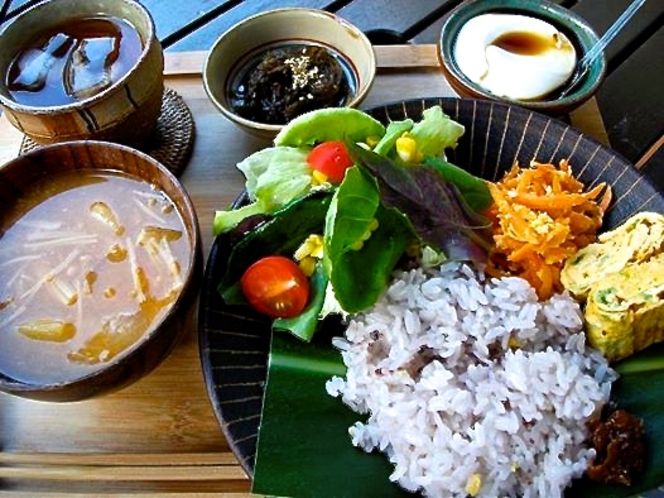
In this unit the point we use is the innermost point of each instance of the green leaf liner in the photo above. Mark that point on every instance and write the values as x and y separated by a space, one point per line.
304 449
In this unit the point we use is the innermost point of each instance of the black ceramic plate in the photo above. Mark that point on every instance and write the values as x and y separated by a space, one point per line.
234 346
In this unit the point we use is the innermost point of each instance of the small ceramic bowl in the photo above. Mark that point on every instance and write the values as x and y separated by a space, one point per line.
143 349
250 39
126 111
580 33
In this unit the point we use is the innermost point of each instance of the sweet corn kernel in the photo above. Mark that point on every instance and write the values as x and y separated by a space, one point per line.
474 484
513 343
372 141
318 178
312 246
308 265
407 149
357 245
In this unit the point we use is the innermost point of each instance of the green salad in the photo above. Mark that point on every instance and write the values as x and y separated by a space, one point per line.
337 202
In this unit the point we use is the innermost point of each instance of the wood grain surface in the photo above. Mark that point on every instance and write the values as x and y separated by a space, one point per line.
160 436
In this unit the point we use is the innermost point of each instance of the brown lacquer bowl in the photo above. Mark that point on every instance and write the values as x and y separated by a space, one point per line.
165 197
124 112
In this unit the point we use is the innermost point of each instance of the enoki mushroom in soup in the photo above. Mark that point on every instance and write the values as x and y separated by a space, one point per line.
89 263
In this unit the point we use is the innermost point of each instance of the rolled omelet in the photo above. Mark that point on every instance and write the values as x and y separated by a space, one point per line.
637 240
625 309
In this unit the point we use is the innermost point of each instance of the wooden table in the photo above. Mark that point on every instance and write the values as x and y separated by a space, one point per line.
160 435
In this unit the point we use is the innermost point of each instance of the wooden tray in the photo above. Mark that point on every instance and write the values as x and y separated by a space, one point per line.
160 435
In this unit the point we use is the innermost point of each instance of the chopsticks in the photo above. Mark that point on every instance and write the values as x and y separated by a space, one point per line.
197 472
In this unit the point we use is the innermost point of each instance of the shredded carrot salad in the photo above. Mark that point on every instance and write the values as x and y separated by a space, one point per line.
540 217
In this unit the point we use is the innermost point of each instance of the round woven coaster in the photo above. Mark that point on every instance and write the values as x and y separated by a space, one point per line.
171 142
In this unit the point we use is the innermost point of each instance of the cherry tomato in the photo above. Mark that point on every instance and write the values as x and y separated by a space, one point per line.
331 159
276 287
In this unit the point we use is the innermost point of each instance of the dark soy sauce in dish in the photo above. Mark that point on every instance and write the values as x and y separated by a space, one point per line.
73 61
525 42
277 84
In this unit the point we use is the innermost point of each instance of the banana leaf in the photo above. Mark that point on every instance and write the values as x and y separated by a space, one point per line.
304 449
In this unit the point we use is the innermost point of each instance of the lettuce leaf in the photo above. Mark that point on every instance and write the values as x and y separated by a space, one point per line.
274 173
436 132
274 177
281 234
279 174
474 190
305 324
337 123
357 258
386 145
434 206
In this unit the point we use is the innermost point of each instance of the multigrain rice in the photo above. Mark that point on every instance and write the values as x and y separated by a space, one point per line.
472 386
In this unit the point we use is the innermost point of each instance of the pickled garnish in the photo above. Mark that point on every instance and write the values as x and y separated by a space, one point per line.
618 438
103 212
48 330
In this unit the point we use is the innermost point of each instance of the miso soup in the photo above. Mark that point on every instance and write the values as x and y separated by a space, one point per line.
89 262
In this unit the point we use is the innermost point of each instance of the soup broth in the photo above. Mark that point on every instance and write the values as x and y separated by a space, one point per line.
73 61
89 263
